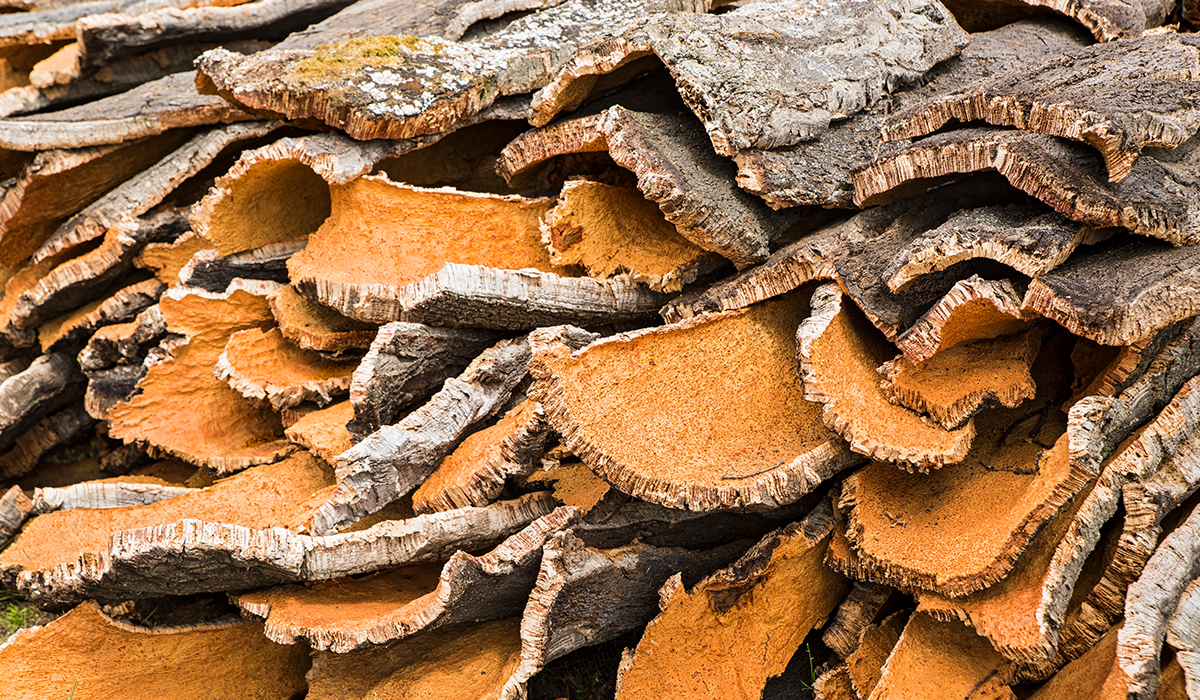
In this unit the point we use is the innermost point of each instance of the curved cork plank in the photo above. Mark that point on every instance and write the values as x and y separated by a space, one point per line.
973 310
323 432
49 383
854 615
1157 199
1025 237
70 331
68 426
475 473
1181 634
1083 95
766 75
15 508
865 664
346 615
403 87
741 625
264 366
182 409
98 656
955 384
395 459
839 353
407 363
384 255
313 326
585 228
940 661
766 446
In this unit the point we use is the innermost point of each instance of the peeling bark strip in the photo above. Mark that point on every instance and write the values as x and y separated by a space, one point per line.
15 507
1083 95
346 615
764 447
973 310
262 365
127 491
1157 199
399 88
675 168
313 326
107 658
397 458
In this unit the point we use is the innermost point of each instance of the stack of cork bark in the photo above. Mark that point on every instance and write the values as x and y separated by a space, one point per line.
442 340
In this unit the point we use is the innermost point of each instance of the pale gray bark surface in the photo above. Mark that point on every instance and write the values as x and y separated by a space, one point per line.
50 382
15 507
93 494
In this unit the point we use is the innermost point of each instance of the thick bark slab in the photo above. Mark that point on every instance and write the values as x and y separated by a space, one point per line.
973 310
399 88
182 409
854 615
771 74
865 664
103 657
69 332
346 615
766 447
741 625
475 473
313 326
839 352
323 432
55 430
49 383
408 362
264 366
940 661
15 507
395 459
211 271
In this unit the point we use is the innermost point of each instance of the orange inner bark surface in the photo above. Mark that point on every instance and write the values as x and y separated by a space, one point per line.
324 431
939 661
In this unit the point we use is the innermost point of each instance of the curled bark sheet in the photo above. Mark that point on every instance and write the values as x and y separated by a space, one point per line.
117 493
973 310
854 615
264 366
941 661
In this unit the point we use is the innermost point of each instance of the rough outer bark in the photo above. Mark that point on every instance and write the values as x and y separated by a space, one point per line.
838 354
746 356
213 272
1181 634
50 382
834 684
147 110
15 507
347 615
854 615
123 343
263 365
1083 95
675 168
395 459
940 661
408 362
55 430
192 556
772 74
116 659
109 387
1157 199
313 326
418 86
119 493
973 310
67 333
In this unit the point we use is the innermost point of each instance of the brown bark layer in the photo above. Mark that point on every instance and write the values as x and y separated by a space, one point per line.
68 332
313 326
265 366
973 310
854 615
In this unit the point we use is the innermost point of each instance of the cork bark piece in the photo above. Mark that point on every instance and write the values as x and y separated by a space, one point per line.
839 353
312 326
185 411
265 366
102 657
1096 674
70 331
49 383
974 310
1155 200
50 433
741 625
15 508
1081 95
407 363
1181 634
213 272
346 615
940 660
676 169
492 273
955 384
854 615
766 75
123 343
399 88
611 230
574 484
834 684
475 473
865 664
766 446
323 432
116 492
395 459
165 260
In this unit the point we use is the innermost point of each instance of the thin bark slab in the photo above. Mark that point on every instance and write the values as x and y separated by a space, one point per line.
182 409
346 615
493 272
323 432
265 366
973 310
1095 675
839 352
940 661
165 260
67 426
108 388
117 492
211 271
771 74
15 507
765 447
854 615
395 459
67 333
123 343
313 326
865 664
49 383
97 656
1083 95
408 362
741 625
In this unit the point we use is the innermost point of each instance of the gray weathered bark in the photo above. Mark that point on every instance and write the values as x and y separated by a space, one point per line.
51 382
68 426
15 507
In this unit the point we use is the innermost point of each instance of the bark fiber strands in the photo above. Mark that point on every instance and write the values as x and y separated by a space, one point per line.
67 333
973 310
15 507
941 661
765 447
49 383
854 614
323 432
264 366
838 354
313 326
103 657
55 430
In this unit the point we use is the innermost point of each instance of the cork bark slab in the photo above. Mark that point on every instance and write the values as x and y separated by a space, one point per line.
55 430
98 656
1096 674
123 343
839 353
15 508
1181 634
46 385
323 432
346 615
68 332
956 384
739 626
407 363
165 260
865 664
940 661
854 615
475 473
399 88
312 326
265 366
973 310
115 492
1156 199
213 272
765 447
185 411
574 484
